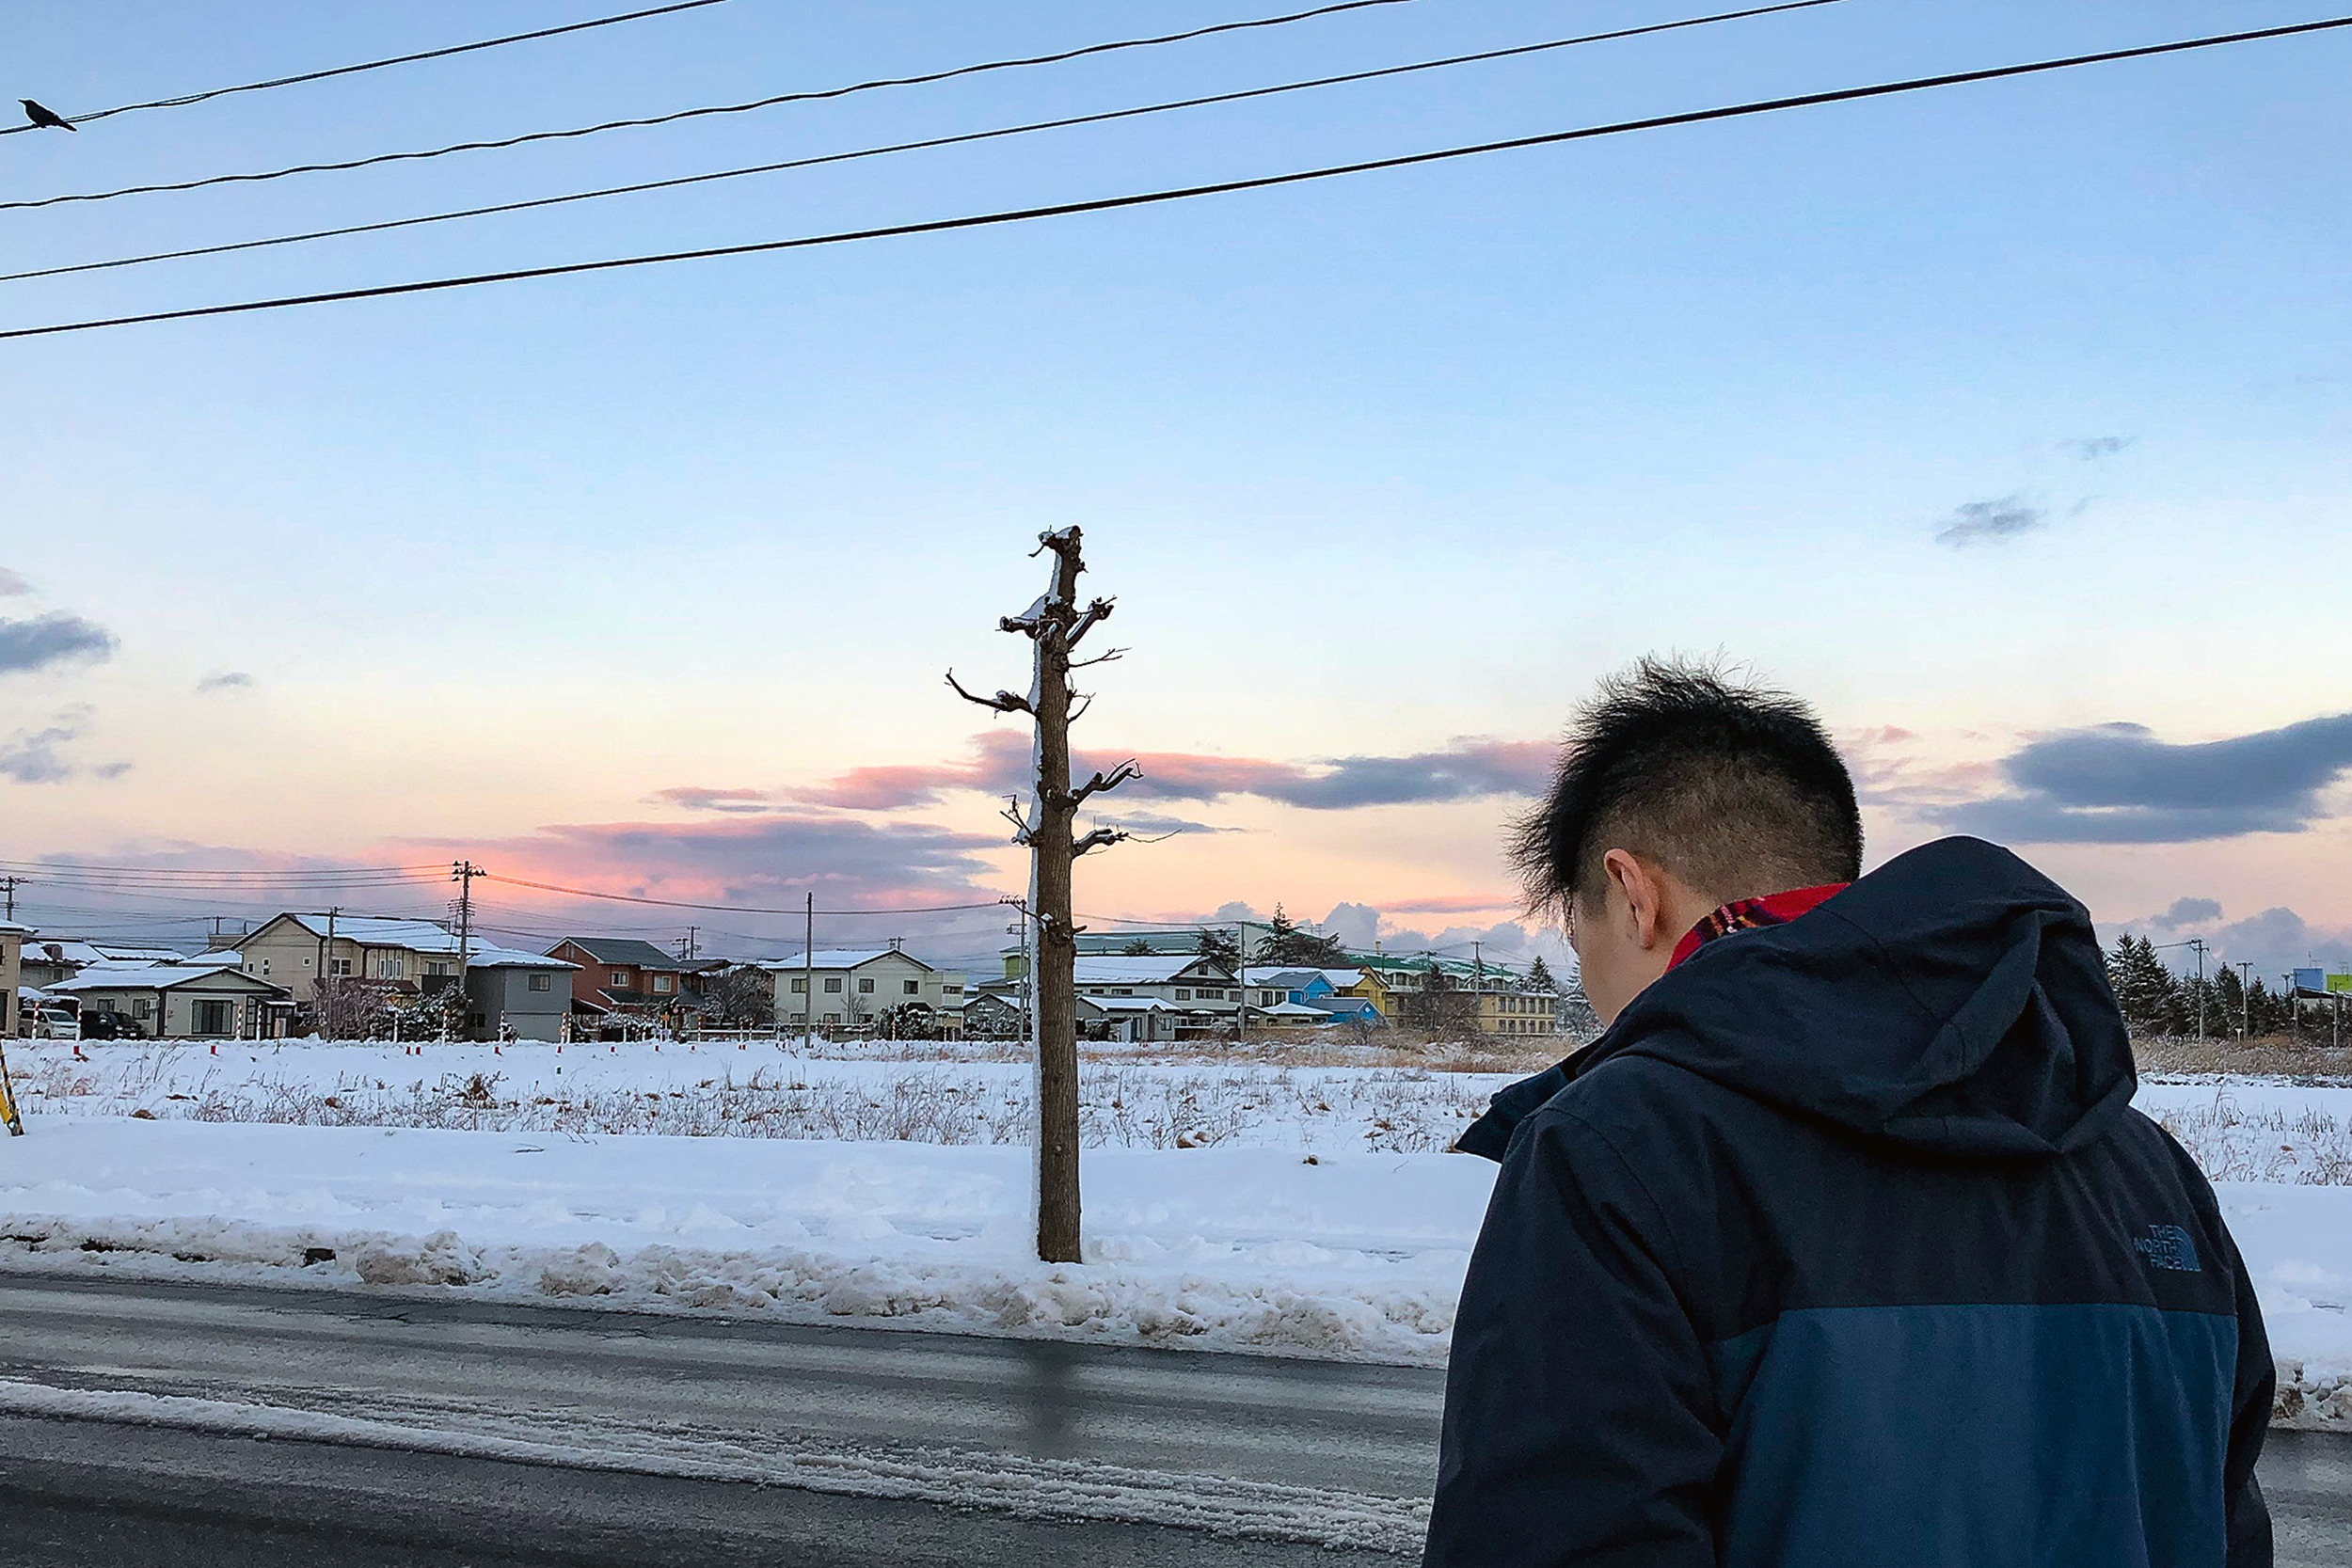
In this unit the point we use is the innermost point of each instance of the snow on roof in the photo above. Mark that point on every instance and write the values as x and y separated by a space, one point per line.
14 929
837 957
152 977
1133 970
514 957
623 950
1261 974
368 930
1132 1004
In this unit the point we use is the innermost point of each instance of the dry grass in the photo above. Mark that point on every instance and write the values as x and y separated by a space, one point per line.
2230 1143
2273 1057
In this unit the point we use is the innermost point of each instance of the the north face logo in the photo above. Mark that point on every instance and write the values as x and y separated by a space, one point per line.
2168 1246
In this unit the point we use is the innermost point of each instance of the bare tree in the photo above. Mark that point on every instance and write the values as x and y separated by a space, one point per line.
1054 624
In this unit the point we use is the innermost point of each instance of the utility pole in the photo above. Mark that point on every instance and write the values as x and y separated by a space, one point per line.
2245 998
463 874
2196 944
1241 973
1054 624
808 978
9 886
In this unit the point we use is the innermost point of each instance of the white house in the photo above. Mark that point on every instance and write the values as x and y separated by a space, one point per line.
856 986
183 1001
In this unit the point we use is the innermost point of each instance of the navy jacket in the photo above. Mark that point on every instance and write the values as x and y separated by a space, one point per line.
1844 1245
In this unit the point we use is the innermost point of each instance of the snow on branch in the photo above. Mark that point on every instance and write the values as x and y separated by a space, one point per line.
1102 782
1101 838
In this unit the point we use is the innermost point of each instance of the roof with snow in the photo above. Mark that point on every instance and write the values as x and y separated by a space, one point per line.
163 977
514 957
1132 1004
623 950
1138 970
1294 974
370 930
839 958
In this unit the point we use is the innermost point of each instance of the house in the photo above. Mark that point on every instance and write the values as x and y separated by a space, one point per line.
1493 998
294 951
516 995
184 1001
12 943
621 977
47 959
856 986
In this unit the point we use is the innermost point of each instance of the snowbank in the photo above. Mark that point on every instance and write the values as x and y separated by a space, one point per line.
1345 1255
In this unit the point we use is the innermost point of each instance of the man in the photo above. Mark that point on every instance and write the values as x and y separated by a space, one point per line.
1842 1245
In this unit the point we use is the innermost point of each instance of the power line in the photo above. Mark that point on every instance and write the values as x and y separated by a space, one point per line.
728 909
223 871
926 143
186 99
810 96
1224 187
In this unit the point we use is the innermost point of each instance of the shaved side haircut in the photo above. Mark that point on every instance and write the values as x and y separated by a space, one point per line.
1733 789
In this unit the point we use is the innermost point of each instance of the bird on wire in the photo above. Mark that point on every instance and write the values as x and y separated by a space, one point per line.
48 120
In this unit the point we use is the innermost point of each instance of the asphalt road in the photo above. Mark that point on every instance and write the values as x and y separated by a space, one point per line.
197 1425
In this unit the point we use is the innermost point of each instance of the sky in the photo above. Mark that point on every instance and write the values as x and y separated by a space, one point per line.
2007 423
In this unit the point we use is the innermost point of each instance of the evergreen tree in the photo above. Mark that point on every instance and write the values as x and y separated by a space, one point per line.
2144 988
1138 948
2230 996
1539 978
1286 947
1219 948
1575 1013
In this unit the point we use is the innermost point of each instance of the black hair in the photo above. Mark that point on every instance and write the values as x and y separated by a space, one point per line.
1732 788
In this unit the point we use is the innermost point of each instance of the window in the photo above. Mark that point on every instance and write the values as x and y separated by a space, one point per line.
142 1006
213 1017
951 991
800 988
911 988
339 966
265 967
665 982
832 984
1124 990
388 966
542 980
833 1017
434 968
865 987
620 977
802 1014
1183 995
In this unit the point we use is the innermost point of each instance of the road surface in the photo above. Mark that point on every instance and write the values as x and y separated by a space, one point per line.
202 1425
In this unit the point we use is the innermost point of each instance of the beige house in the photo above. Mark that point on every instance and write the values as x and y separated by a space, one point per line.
187 1001
294 951
856 986
11 945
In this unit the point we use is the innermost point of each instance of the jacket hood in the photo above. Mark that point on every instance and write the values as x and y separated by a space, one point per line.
1953 1000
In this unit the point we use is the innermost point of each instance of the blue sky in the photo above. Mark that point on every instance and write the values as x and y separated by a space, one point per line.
1985 417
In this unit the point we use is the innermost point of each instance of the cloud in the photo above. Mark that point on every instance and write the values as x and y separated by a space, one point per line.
12 584
2004 518
1146 824
39 757
53 638
1465 769
228 680
2116 784
2092 448
693 798
2189 912
2274 941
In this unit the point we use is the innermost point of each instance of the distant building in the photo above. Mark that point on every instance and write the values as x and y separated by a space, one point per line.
293 950
621 978
516 995
856 986
12 976
186 1001
47 959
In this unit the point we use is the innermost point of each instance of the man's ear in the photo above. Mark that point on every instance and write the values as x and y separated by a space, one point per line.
1645 897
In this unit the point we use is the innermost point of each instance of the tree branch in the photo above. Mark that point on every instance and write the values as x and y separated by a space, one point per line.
1100 838
1111 655
1099 610
1003 701
1013 813
1102 782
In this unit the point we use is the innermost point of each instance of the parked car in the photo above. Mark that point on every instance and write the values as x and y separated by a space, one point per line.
57 1024
110 1026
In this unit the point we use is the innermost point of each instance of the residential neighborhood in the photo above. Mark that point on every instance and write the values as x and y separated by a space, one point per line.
305 973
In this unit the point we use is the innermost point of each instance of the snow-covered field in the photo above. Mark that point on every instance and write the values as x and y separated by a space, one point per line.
1230 1204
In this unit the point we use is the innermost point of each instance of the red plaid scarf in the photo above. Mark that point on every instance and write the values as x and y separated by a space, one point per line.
1742 915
